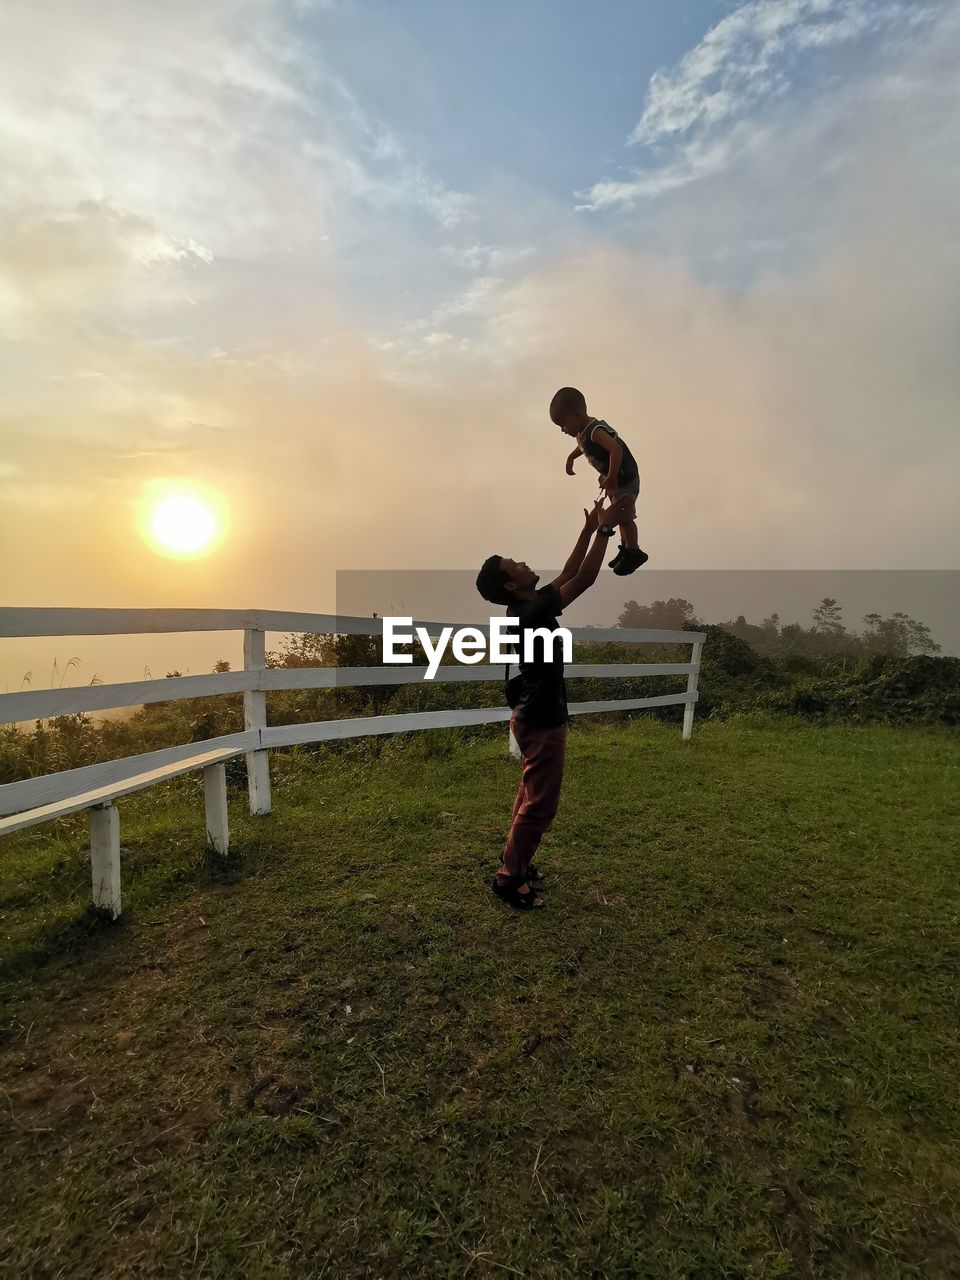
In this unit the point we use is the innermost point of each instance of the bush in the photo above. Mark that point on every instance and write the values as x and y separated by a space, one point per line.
895 690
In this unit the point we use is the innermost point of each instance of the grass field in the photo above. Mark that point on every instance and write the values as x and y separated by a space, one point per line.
728 1047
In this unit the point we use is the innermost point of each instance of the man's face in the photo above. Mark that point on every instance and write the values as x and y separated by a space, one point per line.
520 574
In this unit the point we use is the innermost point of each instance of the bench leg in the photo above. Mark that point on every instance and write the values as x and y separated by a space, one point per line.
105 858
258 781
215 804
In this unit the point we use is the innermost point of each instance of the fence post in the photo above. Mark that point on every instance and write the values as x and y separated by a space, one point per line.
255 717
692 679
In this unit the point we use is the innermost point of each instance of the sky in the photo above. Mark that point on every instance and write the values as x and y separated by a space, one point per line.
333 257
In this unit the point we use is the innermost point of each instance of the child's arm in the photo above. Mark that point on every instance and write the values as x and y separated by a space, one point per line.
612 445
577 453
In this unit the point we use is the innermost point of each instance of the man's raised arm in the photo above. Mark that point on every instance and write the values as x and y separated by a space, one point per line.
586 575
575 560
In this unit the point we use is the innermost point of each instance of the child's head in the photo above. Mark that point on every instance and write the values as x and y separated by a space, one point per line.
568 409
500 579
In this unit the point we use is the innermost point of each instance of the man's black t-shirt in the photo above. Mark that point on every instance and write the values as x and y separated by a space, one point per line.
543 694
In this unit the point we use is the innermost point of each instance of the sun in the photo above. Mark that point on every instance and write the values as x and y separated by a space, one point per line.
182 519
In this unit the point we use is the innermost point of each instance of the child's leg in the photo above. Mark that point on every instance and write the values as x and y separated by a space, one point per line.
630 557
628 533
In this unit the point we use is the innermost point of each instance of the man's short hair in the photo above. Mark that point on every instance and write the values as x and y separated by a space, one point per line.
492 580
567 400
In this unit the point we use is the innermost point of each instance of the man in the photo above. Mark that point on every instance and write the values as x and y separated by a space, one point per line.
539 720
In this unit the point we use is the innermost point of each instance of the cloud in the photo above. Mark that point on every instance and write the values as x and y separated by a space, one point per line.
744 59
487 257
61 260
745 62
221 129
697 159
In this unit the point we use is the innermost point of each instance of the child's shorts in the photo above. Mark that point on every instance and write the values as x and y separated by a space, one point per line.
632 490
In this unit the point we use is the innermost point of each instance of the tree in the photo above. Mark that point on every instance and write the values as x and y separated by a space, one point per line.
792 636
661 615
739 627
827 622
899 634
827 615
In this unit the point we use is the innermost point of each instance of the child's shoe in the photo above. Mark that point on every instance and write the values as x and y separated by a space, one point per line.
632 559
618 558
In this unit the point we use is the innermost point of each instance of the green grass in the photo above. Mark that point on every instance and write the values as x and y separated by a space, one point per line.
727 1047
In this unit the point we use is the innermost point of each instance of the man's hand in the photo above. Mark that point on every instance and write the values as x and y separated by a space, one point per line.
591 522
591 518
572 585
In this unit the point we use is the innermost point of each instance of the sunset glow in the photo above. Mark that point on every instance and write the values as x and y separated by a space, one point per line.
182 520
318 268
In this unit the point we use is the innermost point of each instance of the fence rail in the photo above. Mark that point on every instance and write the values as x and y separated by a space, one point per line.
256 680
20 622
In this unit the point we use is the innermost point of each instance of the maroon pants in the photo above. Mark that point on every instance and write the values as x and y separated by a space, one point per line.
538 796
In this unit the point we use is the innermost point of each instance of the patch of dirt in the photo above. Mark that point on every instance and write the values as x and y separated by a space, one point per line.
177 1119
474 1076
467 938
570 1159
793 1221
829 1026
741 1101
768 988
356 871
549 1045
282 1093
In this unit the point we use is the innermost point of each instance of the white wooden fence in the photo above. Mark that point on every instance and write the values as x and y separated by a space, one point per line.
38 799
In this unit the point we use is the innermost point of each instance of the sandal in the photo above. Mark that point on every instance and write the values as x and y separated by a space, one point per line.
534 873
507 889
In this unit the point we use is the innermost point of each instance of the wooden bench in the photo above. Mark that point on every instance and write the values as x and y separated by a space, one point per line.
105 820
